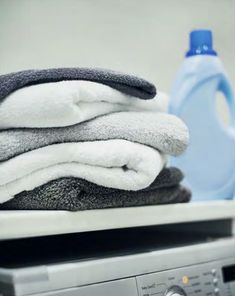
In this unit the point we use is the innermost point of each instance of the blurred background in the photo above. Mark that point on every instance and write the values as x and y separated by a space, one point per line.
148 38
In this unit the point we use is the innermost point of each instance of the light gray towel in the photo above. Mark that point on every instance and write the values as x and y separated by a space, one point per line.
76 194
128 84
164 132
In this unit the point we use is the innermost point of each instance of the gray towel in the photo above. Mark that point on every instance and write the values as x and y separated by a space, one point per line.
164 132
128 84
76 194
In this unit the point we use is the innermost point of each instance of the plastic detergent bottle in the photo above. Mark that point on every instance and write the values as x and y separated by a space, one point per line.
209 162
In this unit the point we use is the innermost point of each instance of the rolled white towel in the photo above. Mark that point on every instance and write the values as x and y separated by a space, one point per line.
118 164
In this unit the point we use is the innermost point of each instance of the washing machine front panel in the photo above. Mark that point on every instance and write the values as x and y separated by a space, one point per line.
209 279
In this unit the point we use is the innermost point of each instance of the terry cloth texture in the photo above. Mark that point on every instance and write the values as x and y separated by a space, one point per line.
164 132
76 194
125 83
66 103
117 164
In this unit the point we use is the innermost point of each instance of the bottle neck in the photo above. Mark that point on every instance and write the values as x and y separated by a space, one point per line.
200 51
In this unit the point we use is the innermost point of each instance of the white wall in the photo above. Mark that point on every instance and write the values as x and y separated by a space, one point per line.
145 37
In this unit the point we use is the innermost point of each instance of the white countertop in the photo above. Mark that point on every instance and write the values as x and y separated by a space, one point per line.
19 224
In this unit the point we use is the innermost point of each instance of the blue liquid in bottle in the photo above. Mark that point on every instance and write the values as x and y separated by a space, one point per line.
209 162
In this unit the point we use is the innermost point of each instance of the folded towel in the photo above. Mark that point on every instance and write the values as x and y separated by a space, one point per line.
164 132
114 163
77 194
128 84
66 103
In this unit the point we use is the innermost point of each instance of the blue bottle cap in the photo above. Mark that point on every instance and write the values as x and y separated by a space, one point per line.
201 43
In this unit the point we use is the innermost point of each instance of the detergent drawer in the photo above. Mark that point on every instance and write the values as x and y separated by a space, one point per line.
126 287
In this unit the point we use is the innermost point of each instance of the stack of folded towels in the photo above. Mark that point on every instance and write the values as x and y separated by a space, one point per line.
79 138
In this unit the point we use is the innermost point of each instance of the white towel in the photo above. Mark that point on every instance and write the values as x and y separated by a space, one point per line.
113 163
66 103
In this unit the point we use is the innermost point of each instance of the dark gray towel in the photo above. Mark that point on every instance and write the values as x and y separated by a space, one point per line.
128 84
76 194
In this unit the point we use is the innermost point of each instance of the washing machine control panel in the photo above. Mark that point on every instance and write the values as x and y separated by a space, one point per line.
202 280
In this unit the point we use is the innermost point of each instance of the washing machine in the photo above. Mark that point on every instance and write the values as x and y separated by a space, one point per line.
147 261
